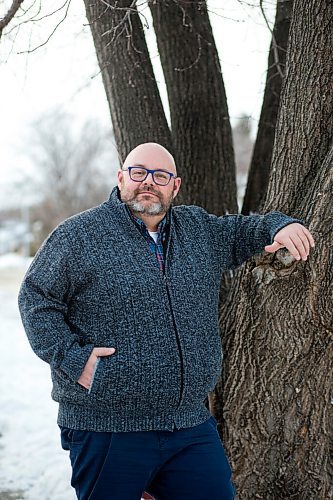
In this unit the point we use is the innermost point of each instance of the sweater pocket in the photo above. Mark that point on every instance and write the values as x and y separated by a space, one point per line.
94 375
103 378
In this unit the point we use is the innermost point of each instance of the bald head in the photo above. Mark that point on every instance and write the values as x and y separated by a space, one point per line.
146 198
151 155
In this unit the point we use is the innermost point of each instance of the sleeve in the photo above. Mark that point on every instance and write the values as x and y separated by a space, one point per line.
43 301
236 238
251 233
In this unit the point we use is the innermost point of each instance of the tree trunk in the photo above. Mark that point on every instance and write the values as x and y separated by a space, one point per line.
200 123
305 126
136 109
275 408
263 149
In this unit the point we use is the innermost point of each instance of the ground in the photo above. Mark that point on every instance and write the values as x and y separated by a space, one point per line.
32 463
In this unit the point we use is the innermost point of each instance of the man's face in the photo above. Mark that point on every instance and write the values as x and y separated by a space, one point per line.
146 197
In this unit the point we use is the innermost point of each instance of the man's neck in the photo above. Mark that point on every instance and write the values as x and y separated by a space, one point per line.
151 221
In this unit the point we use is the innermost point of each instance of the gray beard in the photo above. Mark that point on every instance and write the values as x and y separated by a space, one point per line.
154 209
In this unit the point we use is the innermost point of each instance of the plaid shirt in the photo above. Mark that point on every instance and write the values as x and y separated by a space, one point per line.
155 248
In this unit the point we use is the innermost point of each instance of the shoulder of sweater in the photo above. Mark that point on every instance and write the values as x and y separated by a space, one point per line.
196 214
76 225
189 211
199 212
81 219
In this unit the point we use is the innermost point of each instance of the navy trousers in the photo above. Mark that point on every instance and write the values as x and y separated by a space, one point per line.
183 464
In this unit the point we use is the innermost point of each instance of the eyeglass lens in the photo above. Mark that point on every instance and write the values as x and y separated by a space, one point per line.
140 173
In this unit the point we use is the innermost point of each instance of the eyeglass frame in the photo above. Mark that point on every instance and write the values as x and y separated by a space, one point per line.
149 171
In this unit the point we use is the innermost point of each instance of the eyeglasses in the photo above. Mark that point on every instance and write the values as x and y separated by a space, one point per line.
139 174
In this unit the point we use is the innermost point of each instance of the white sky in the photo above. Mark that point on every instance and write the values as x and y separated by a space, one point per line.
62 74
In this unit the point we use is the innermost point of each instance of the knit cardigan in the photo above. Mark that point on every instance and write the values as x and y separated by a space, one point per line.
94 283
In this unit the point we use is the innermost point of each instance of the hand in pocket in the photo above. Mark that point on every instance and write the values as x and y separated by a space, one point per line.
88 371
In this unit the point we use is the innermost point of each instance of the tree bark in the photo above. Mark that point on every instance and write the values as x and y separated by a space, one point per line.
305 126
275 408
263 149
200 123
136 109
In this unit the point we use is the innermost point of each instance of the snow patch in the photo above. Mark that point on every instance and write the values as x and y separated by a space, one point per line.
13 260
31 457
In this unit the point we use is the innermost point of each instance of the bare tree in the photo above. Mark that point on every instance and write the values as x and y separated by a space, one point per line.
74 167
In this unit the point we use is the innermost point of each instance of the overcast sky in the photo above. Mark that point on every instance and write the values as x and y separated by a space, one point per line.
63 74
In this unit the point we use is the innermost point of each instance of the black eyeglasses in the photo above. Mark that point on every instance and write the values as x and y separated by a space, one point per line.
139 174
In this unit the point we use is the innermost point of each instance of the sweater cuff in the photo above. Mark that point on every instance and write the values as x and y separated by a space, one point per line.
75 360
299 221
281 222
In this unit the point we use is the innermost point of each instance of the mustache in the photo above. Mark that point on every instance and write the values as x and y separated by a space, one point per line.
147 189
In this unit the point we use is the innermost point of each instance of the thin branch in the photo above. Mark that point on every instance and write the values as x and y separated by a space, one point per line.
10 14
12 43
274 44
36 19
125 24
22 15
228 18
145 23
196 59
25 11
68 2
129 8
97 18
123 20
48 15
113 7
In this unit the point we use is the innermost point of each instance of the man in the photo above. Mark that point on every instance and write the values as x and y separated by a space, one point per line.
122 302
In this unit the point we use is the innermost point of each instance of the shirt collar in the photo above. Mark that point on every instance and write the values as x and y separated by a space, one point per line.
143 227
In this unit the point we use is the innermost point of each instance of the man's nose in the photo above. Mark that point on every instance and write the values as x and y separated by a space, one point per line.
149 179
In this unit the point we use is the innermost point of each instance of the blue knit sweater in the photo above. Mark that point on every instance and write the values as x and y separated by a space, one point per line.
94 283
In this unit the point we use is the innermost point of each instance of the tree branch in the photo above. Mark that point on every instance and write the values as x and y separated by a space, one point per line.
10 14
68 2
274 44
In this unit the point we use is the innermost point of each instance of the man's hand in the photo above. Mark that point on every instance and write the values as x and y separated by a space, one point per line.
86 375
295 238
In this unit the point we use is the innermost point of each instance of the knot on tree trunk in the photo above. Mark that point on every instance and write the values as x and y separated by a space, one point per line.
272 266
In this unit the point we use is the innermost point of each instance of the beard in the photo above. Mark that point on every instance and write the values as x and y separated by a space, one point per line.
153 208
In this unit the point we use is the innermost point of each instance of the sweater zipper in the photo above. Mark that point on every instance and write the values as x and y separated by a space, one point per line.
174 324
172 314
179 346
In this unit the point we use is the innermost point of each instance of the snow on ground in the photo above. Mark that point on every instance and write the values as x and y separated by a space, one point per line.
33 465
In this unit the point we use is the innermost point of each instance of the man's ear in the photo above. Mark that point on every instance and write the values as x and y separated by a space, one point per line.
176 186
120 177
